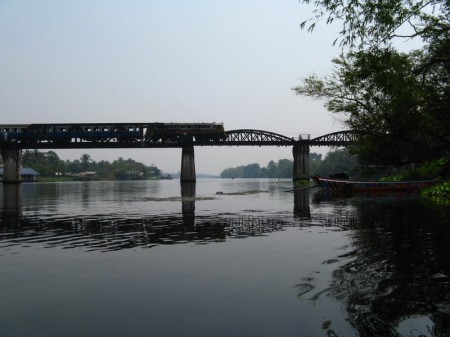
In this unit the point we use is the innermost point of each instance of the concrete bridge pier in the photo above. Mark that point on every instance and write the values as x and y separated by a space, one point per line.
301 162
187 164
12 159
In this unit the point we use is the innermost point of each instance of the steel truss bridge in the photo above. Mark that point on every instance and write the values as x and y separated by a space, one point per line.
13 139
262 138
242 137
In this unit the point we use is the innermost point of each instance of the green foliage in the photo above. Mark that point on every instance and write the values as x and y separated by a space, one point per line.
247 171
303 183
367 23
85 161
393 178
398 103
48 164
388 104
433 169
282 169
335 161
130 169
439 193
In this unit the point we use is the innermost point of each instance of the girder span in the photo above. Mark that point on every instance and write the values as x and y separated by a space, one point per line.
255 137
340 138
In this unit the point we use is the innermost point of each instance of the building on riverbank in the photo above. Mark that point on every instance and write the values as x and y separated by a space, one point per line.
27 174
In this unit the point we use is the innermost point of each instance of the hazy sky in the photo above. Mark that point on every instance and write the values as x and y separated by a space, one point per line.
224 61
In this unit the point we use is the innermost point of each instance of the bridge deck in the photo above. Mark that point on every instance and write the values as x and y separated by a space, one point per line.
136 136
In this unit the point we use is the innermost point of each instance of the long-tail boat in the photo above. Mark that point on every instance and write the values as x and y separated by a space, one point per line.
331 184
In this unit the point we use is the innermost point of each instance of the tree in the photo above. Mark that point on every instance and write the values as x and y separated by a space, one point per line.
369 23
399 117
285 168
337 161
46 163
271 170
399 103
54 163
74 166
85 161
32 158
123 168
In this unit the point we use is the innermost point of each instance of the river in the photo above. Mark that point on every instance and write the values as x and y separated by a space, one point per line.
222 257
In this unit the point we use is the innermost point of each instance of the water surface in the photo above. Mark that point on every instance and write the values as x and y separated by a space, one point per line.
220 258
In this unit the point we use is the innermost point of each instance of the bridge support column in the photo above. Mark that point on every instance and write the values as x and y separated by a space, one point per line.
12 159
187 164
301 162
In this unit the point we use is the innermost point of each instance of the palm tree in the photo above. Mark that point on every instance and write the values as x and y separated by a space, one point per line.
85 160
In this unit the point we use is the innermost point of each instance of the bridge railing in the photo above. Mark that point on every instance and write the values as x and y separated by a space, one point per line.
304 136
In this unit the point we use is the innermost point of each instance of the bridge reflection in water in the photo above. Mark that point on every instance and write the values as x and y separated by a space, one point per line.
109 233
394 272
12 203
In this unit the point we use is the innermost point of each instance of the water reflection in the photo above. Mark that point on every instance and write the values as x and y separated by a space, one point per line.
391 270
188 202
107 232
113 231
397 270
301 204
12 203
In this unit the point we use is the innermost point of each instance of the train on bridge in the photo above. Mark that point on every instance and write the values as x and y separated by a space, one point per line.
110 132
16 137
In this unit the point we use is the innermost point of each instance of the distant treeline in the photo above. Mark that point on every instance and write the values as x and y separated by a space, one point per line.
334 162
48 164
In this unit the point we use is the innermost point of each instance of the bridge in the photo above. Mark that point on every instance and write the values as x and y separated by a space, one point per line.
15 138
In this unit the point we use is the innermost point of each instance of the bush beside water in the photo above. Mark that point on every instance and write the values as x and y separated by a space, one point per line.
435 169
439 193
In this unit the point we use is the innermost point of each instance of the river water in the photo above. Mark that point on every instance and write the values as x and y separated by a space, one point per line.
237 257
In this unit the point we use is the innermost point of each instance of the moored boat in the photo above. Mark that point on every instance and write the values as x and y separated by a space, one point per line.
352 185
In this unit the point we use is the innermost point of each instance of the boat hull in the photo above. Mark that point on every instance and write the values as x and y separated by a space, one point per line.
349 185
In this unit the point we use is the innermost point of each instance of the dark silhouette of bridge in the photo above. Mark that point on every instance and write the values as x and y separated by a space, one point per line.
241 137
11 148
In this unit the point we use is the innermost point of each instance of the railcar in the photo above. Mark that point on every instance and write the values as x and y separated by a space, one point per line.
12 132
66 133
110 132
174 131
123 133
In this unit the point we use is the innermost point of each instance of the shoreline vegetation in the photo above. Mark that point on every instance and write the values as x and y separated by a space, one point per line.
52 169
439 194
92 178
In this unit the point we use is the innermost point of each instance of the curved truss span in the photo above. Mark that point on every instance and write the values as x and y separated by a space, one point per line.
255 137
340 138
